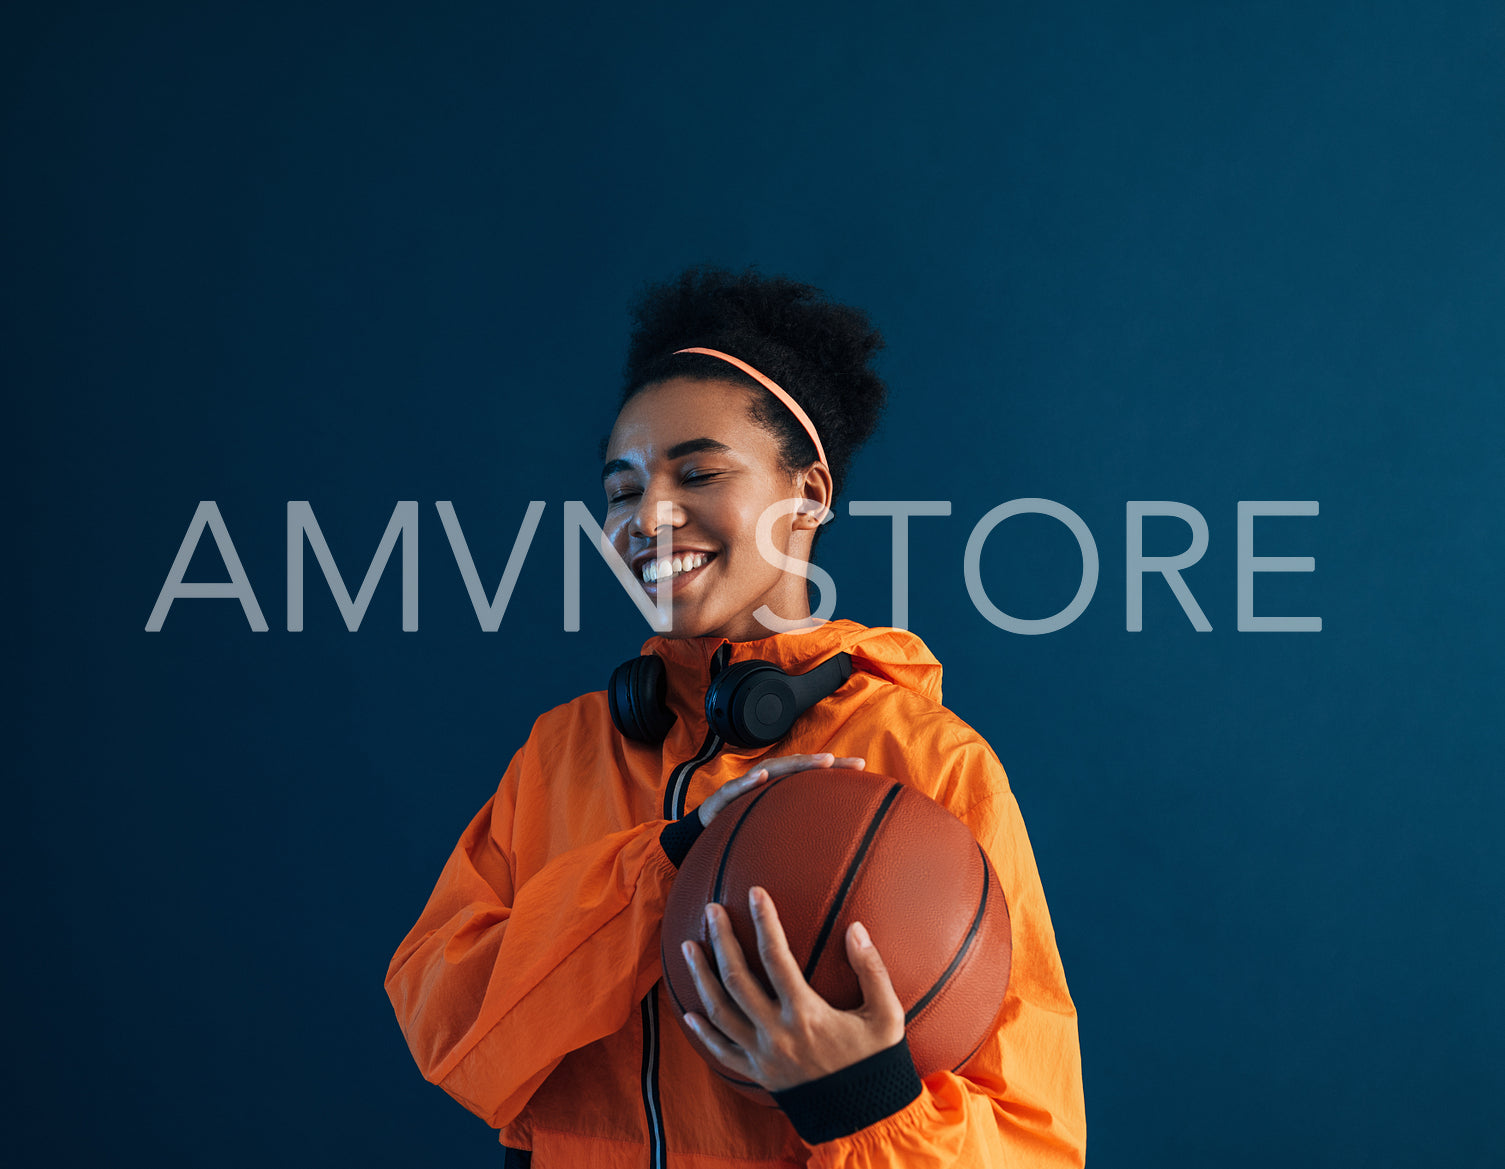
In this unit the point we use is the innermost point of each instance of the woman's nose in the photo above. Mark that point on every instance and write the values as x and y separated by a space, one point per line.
653 512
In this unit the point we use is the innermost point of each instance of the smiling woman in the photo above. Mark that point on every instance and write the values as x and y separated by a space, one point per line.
530 987
693 446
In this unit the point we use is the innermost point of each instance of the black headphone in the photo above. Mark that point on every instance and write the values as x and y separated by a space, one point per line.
749 704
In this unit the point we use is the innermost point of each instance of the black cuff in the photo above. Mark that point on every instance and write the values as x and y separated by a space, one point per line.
840 1104
678 835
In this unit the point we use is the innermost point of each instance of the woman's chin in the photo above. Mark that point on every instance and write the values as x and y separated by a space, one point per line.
686 621
694 622
686 627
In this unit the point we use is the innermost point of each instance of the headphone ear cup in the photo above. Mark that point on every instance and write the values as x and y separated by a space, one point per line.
751 704
755 703
638 696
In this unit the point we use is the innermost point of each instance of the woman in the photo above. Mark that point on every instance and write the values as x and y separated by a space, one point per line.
530 987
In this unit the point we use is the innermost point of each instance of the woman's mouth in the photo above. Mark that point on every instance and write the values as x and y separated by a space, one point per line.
677 570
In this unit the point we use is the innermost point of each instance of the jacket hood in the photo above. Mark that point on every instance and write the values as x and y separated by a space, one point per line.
893 654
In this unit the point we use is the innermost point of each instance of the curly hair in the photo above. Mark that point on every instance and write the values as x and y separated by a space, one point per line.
816 350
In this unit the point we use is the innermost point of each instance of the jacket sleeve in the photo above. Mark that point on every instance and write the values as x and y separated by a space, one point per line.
1019 1102
487 986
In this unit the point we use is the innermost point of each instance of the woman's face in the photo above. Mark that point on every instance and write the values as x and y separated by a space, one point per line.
692 444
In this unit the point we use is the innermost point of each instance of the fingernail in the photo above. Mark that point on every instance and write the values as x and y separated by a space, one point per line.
859 931
710 917
755 898
684 948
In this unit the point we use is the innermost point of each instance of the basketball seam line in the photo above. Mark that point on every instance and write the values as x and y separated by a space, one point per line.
973 1052
961 952
726 850
846 882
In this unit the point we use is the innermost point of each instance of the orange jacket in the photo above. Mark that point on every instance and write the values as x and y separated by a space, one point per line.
529 989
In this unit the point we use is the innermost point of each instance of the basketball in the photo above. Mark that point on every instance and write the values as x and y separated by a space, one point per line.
833 846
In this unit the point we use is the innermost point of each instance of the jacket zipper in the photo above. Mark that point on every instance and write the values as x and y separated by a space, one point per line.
674 809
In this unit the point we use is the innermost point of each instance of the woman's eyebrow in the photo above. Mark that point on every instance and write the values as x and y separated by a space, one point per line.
677 451
691 445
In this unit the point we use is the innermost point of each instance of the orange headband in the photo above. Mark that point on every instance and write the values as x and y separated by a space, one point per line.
773 388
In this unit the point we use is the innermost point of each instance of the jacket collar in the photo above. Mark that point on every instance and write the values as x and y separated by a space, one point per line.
892 654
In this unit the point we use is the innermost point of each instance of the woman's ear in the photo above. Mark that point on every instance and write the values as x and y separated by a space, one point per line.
815 486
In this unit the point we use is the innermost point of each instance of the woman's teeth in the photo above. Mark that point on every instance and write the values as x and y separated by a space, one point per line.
662 569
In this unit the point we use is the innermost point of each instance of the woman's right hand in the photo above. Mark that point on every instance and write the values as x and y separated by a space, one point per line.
767 768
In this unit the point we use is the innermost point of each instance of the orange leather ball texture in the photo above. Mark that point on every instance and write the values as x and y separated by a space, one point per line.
833 846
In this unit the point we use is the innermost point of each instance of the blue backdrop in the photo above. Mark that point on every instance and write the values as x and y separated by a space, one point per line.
362 253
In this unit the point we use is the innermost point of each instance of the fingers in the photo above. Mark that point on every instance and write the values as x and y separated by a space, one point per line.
785 764
728 792
725 1017
773 948
740 984
779 766
880 1002
731 1056
781 1044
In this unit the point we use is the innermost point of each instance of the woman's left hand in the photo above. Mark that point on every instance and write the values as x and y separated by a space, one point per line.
798 1036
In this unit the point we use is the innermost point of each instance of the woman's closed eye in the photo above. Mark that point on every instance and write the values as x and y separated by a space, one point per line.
697 478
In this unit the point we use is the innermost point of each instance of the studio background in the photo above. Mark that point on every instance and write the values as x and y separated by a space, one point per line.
357 254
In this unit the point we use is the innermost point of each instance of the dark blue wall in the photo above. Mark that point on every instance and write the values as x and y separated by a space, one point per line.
357 254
